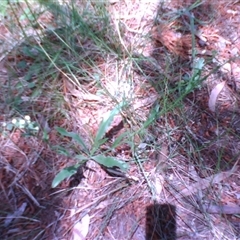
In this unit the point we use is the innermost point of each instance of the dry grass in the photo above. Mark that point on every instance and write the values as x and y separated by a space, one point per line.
70 70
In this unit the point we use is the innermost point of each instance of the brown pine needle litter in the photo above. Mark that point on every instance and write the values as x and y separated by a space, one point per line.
119 119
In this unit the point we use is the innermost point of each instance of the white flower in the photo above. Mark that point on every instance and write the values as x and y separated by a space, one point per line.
27 118
14 121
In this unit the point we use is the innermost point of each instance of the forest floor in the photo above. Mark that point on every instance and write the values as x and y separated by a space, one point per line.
148 86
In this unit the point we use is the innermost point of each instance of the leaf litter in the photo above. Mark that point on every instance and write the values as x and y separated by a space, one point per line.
123 215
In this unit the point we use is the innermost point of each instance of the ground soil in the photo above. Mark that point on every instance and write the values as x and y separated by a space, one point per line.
196 197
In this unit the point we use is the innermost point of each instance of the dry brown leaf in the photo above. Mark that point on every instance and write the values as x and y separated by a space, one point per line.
80 229
11 217
214 95
224 209
206 182
175 42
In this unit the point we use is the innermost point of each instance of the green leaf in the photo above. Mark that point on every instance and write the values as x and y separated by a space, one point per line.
106 122
31 85
36 93
22 65
119 140
110 162
72 135
45 136
3 7
199 64
81 157
61 150
63 174
155 112
97 145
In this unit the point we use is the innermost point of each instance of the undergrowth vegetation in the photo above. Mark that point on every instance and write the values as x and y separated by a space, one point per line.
76 83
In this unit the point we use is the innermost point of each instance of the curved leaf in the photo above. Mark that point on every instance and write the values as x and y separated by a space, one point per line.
72 135
214 95
106 122
63 174
110 162
81 228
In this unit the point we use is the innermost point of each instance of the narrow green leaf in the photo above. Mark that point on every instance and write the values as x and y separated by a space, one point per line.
61 150
81 157
72 135
106 122
97 145
110 162
36 93
119 140
63 174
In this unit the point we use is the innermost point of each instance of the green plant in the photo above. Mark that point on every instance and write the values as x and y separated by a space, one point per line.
3 8
93 153
189 84
25 124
